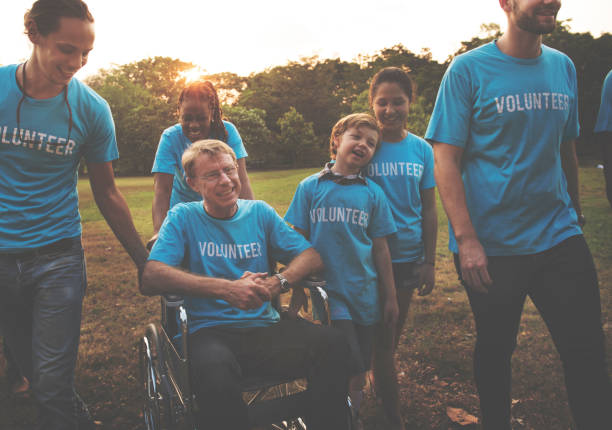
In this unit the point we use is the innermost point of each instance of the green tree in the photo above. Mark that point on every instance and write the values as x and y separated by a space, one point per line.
297 139
322 91
229 86
361 103
143 97
138 123
257 138
418 117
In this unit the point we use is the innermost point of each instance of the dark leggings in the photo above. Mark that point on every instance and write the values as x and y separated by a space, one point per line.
562 283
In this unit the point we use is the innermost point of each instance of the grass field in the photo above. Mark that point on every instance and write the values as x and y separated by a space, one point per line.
434 355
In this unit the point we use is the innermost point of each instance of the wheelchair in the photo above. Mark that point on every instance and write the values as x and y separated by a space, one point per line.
168 402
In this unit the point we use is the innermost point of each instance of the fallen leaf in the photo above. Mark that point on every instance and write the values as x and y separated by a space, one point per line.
461 417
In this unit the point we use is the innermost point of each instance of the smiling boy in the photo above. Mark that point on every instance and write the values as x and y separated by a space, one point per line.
347 218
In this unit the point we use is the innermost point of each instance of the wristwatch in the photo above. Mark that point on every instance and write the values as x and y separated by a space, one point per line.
284 284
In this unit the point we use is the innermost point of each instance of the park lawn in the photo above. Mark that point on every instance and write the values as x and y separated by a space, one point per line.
435 351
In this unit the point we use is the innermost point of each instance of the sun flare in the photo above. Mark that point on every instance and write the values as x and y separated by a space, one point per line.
192 75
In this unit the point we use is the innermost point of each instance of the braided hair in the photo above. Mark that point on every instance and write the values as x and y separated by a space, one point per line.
205 91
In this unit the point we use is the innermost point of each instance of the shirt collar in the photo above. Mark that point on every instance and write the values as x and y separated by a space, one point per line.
328 174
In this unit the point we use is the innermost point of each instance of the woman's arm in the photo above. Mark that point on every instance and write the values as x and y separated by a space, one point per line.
162 188
246 192
430 235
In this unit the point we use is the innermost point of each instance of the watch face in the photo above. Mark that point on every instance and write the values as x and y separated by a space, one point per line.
284 284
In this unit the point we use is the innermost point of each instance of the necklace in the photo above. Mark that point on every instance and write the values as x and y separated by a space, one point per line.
22 87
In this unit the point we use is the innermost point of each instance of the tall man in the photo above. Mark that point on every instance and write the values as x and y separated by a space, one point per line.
503 131
603 131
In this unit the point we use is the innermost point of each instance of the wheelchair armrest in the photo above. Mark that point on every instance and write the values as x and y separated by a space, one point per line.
172 300
319 299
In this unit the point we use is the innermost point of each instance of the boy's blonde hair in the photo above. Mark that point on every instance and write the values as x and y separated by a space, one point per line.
211 147
353 120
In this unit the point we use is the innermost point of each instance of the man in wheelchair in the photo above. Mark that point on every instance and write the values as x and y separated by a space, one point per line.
226 245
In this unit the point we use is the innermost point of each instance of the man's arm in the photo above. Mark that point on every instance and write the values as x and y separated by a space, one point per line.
245 192
113 207
605 140
430 236
472 258
569 162
244 293
386 283
306 263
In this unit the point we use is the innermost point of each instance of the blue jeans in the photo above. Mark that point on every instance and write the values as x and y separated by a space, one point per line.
562 284
41 297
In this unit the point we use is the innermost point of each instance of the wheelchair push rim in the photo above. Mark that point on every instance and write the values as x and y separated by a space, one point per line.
149 383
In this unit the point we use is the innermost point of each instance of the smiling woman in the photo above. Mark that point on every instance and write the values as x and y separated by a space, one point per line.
200 117
55 122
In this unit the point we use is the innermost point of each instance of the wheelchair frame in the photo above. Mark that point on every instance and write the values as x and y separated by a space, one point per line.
169 403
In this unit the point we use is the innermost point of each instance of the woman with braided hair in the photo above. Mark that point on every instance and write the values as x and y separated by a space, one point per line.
200 117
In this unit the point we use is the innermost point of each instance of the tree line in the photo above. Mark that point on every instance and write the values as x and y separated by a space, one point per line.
285 113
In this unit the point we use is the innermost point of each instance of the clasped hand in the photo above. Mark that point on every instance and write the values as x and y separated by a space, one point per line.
252 290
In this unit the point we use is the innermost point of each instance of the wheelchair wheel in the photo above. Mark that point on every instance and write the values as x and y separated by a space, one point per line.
296 424
149 379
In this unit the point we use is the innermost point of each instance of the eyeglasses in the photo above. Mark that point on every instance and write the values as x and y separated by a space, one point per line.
229 171
23 97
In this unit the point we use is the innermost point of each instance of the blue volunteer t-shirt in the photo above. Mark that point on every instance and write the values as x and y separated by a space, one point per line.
510 116
604 118
39 166
170 150
340 221
403 169
226 248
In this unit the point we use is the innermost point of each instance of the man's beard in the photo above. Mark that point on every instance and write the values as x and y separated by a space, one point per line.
530 23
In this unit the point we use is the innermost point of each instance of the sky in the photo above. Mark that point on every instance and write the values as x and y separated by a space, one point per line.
243 36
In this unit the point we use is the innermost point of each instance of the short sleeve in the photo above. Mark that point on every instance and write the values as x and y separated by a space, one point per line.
297 214
165 161
234 140
101 143
572 127
382 223
427 180
604 118
450 119
171 244
284 242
